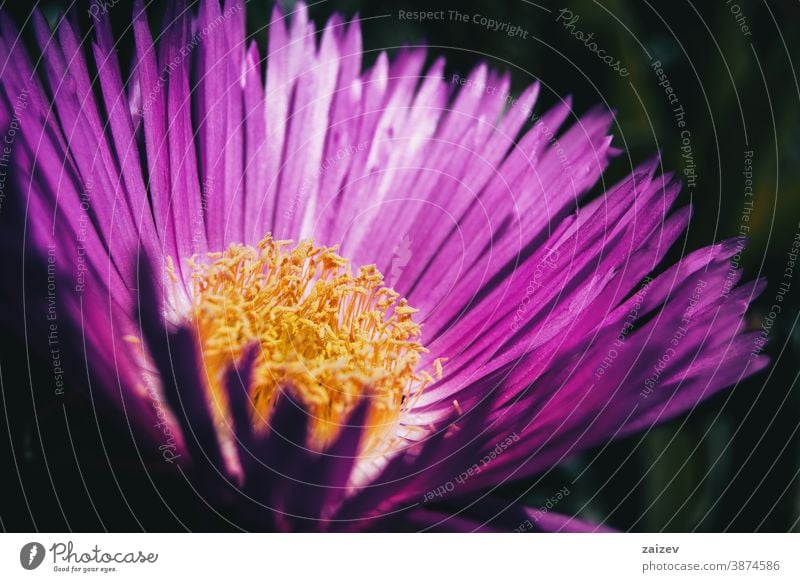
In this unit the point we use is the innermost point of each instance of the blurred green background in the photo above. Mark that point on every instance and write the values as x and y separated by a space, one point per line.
732 464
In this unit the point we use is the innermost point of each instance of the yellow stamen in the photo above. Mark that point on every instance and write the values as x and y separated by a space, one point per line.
437 365
328 336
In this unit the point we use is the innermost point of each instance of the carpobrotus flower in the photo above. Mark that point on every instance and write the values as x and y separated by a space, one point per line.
204 256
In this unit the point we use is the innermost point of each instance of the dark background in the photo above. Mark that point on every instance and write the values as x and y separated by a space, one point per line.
732 463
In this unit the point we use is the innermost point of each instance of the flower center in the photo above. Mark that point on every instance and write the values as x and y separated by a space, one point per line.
327 336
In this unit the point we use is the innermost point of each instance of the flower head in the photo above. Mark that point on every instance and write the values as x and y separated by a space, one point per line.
213 242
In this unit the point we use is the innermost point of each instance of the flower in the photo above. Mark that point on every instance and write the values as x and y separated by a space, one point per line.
201 247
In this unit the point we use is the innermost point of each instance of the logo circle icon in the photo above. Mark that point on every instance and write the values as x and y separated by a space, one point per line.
31 555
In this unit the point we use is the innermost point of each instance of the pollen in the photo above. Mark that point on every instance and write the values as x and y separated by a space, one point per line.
328 336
